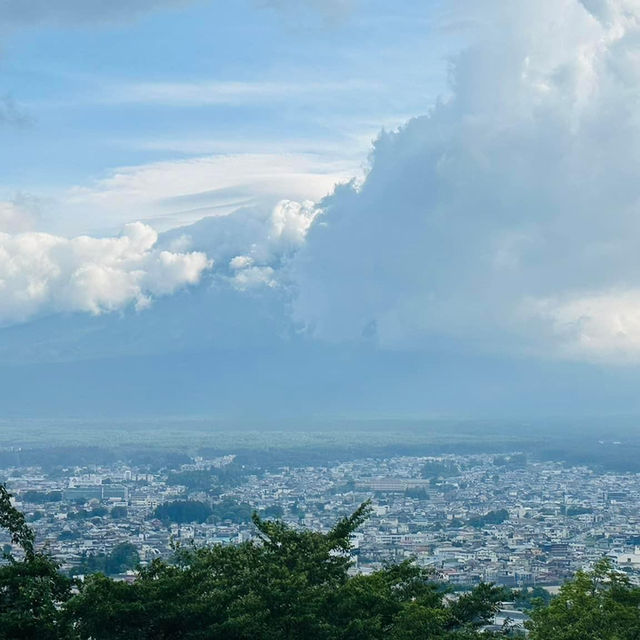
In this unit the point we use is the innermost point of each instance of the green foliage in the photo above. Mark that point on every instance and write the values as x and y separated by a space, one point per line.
437 469
14 522
207 480
183 511
493 517
78 514
32 590
118 513
68 535
297 511
528 598
174 459
41 497
233 511
186 511
288 585
575 510
122 557
193 480
598 605
274 511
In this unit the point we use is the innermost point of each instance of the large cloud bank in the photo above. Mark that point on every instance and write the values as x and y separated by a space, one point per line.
506 219
42 273
509 216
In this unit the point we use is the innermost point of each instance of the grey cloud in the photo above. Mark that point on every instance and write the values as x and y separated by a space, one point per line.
509 216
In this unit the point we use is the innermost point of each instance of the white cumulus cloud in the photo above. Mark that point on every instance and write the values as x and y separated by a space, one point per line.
42 273
488 218
19 214
600 327
250 246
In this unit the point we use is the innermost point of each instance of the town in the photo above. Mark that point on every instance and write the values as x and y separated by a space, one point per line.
498 518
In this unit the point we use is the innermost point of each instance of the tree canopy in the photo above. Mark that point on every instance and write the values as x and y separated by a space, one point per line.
601 604
32 590
287 583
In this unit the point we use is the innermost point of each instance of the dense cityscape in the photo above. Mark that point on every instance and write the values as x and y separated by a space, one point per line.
497 518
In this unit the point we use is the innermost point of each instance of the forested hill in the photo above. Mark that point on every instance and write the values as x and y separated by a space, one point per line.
288 584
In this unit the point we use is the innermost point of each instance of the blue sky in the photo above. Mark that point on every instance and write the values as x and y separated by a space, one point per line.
203 78
345 206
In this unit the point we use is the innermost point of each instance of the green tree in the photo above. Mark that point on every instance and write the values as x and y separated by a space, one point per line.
229 509
183 511
528 598
290 584
598 605
123 556
118 513
439 469
32 590
493 517
285 585
273 511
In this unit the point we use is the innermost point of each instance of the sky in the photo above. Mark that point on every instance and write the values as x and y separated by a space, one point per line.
315 208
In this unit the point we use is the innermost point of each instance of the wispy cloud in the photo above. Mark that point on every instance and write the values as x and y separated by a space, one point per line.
187 94
172 193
